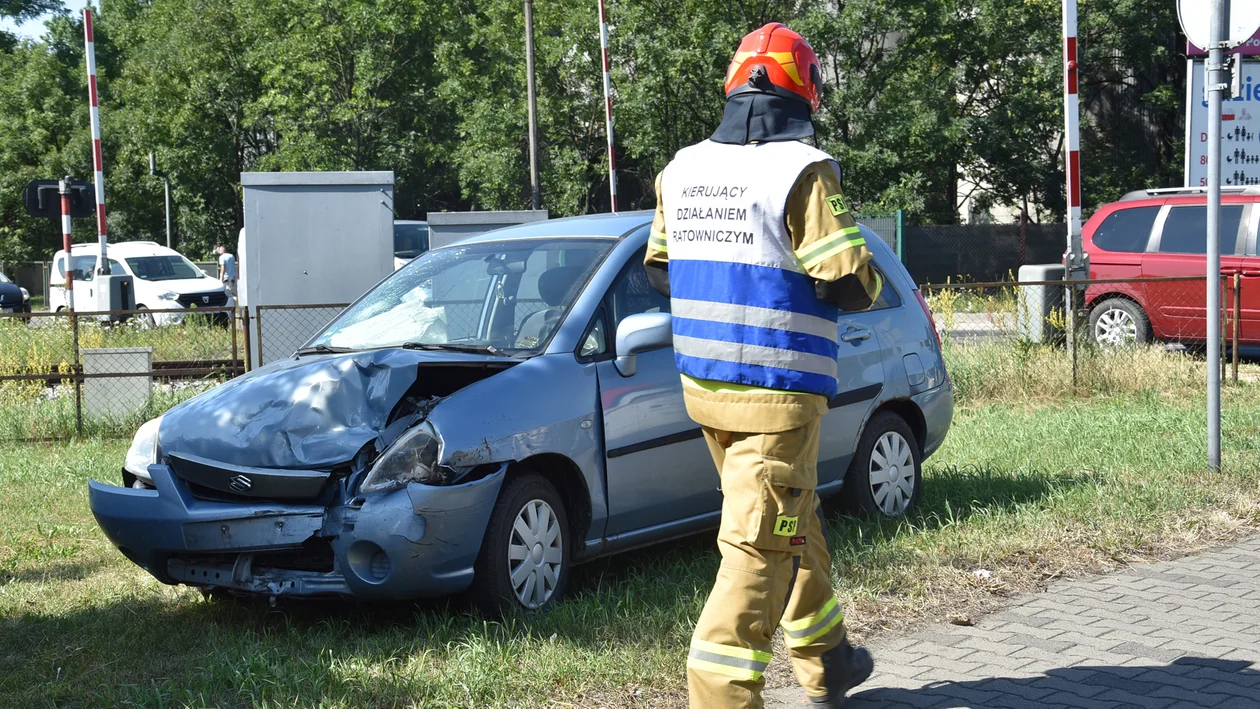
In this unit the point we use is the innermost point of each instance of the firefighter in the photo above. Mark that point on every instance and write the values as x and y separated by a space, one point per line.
754 243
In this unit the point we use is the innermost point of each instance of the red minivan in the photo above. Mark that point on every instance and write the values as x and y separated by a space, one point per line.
1162 233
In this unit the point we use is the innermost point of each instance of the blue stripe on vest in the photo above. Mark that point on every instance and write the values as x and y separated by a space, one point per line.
756 375
745 284
761 336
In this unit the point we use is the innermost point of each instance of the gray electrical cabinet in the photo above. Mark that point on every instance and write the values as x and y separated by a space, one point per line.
312 240
1041 307
449 227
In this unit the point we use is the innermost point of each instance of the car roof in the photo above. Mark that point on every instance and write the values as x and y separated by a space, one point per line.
124 249
607 226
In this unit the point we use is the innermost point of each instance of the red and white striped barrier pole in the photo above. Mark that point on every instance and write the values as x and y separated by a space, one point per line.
1074 259
64 189
97 164
608 117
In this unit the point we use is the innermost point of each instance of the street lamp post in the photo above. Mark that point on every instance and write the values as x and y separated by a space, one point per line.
534 188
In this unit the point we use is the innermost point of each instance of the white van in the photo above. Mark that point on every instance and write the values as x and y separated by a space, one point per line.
165 282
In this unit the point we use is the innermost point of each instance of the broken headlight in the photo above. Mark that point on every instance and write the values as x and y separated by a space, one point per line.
412 458
143 450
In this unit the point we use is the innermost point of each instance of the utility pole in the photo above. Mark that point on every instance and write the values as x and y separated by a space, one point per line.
1216 87
166 183
534 187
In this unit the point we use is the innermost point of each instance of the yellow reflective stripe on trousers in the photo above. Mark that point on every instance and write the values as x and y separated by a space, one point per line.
829 246
806 630
737 662
657 241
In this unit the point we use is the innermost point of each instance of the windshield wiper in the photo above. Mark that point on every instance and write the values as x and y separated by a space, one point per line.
454 347
324 349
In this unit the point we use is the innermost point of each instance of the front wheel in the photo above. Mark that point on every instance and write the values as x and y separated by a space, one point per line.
524 559
144 318
886 475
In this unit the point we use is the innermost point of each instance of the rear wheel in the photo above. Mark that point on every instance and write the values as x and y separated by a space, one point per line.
886 474
524 560
1119 322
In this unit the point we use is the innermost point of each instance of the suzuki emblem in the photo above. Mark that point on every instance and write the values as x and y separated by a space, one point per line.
240 483
205 299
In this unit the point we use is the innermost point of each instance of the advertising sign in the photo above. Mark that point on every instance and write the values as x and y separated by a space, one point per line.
1240 124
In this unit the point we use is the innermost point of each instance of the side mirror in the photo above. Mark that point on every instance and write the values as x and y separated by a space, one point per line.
641 333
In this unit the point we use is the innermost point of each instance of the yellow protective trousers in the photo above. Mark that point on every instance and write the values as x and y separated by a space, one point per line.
775 570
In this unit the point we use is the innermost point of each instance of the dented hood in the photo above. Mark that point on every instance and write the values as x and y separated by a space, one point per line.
313 412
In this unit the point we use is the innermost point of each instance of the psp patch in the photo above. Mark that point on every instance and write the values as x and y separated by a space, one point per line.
785 526
837 204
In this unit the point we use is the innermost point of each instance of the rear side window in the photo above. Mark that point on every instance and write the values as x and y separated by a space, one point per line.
1126 230
1185 230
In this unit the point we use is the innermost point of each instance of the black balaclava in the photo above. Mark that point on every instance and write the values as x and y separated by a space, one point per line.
763 118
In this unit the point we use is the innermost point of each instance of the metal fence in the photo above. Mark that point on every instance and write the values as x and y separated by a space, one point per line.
1139 315
75 373
890 227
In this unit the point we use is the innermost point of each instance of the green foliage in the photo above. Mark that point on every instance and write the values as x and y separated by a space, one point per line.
919 94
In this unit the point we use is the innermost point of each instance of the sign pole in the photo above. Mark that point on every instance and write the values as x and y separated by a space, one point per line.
1216 87
1076 266
97 163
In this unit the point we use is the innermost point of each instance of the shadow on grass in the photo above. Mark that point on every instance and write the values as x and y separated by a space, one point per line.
1188 681
643 600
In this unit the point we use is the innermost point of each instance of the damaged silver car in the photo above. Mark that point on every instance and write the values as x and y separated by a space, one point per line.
488 416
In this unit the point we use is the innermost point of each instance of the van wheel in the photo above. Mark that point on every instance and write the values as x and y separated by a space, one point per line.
1119 322
524 560
886 474
144 320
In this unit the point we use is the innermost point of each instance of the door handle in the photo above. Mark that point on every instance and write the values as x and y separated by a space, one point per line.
854 334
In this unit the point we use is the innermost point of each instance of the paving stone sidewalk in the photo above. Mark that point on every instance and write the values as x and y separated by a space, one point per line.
1172 634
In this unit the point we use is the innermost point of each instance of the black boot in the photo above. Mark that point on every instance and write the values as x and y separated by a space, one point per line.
844 667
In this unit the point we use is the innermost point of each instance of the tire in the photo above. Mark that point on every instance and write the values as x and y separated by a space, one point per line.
516 571
1119 322
867 488
144 320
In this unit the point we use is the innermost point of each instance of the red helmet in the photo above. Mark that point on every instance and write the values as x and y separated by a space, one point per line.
775 60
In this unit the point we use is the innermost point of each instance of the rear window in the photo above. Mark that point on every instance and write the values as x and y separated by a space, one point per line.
1126 230
1185 230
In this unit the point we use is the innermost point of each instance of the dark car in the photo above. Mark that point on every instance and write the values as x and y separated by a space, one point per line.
13 298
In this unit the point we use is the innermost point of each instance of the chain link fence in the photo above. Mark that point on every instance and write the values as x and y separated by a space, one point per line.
104 373
1128 330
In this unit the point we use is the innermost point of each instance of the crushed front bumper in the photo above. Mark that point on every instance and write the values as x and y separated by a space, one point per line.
417 541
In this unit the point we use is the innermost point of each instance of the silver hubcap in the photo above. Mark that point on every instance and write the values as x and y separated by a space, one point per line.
892 473
535 553
1115 327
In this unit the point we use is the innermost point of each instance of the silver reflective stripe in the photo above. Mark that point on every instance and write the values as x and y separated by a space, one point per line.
741 663
741 353
816 628
756 317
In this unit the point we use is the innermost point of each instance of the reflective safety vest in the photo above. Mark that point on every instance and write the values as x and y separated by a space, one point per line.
744 309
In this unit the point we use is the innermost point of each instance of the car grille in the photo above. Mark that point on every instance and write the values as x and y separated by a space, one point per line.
219 482
214 299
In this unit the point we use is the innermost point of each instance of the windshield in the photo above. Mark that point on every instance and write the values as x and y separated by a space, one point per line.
163 268
3 279
410 240
496 296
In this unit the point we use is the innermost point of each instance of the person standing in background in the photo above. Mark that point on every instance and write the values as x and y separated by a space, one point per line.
227 269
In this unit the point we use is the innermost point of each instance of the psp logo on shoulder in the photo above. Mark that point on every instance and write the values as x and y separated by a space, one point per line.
837 204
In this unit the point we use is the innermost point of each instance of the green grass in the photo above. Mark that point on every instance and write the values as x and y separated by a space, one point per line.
1029 492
